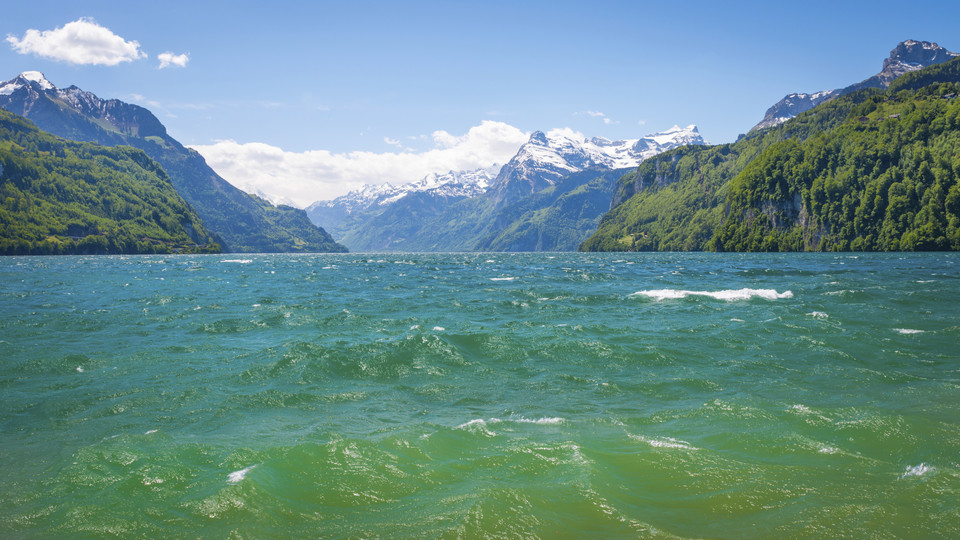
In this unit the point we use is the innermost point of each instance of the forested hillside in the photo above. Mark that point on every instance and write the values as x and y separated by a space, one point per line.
63 197
873 170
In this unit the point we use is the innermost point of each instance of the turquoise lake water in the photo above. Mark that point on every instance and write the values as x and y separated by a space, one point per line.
480 395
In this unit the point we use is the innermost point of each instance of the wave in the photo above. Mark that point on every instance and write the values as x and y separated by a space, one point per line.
238 261
664 442
729 295
916 470
907 331
237 476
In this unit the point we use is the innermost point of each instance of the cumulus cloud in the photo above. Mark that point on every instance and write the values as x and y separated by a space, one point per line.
168 59
79 42
306 177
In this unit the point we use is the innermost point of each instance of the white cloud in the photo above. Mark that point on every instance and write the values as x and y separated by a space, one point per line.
168 59
306 177
597 114
566 132
82 41
641 122
393 142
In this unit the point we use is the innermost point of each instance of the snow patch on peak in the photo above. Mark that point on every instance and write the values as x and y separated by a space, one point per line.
452 184
24 79
563 151
37 77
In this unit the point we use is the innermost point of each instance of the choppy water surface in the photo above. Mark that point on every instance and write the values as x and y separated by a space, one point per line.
473 395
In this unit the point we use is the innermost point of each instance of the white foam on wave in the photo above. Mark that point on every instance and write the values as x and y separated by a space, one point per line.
541 421
803 410
79 369
664 442
916 470
818 315
438 329
150 432
502 278
907 331
237 476
478 425
729 295
238 261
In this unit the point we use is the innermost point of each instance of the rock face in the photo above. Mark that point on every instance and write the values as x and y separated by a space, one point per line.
241 222
907 56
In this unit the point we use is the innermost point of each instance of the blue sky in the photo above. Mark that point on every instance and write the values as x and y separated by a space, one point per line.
307 87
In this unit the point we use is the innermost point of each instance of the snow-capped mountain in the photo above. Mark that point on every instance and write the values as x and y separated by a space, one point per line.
548 157
23 95
907 56
27 78
449 186
498 208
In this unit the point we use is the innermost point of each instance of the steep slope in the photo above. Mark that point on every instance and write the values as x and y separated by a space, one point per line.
872 170
548 197
63 197
906 57
242 222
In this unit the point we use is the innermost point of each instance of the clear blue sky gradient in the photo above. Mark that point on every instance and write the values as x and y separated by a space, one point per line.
343 76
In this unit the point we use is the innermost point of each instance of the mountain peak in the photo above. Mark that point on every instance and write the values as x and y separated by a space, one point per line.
26 79
918 52
907 56
538 137
37 77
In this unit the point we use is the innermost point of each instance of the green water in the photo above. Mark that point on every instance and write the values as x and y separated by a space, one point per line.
480 395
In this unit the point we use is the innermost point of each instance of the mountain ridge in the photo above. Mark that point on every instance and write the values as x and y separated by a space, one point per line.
560 173
909 55
242 222
64 197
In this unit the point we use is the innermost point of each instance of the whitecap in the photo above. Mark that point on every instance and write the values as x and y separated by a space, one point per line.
729 295
238 261
825 449
438 329
502 278
916 470
149 432
807 411
479 425
907 331
237 476
542 421
664 442
818 315
79 369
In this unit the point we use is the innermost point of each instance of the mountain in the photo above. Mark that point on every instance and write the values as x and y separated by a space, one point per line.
241 222
546 158
873 170
548 197
65 197
906 57
371 198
